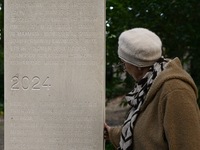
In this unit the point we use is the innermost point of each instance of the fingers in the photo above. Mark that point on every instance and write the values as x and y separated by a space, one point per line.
106 136
106 131
106 127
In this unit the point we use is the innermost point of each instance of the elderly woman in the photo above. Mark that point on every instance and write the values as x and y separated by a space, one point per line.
164 113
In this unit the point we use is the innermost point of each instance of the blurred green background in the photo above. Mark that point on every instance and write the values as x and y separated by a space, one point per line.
176 22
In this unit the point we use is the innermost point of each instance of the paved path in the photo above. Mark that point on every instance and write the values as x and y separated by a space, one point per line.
115 115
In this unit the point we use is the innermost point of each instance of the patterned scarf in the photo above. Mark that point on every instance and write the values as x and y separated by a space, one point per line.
135 99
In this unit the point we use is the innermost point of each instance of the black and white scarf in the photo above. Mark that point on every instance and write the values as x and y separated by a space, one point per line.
135 99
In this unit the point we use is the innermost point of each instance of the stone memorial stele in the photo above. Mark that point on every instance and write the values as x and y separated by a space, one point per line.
54 74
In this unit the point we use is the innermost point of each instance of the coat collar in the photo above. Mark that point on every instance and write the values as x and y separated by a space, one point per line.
174 70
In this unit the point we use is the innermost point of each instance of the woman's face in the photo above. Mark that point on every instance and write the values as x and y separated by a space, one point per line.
131 69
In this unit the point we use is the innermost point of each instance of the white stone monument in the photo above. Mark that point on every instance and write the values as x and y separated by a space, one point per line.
54 74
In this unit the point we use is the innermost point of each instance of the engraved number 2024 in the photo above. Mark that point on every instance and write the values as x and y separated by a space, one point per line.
26 84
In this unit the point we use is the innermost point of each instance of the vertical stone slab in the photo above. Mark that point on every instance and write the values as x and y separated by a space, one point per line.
54 74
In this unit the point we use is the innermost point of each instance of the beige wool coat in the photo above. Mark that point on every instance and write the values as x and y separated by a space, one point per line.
169 119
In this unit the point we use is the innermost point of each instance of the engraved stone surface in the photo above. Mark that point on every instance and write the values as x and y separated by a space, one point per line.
54 74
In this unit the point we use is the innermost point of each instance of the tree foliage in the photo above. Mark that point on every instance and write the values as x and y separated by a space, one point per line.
176 22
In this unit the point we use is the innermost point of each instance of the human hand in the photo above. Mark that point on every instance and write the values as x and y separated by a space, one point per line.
106 132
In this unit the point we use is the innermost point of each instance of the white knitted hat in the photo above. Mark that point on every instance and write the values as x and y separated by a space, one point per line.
139 47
